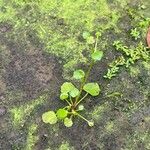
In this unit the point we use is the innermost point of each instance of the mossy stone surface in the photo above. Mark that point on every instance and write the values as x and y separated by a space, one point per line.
41 44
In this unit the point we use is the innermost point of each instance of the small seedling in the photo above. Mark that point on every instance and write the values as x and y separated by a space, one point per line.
114 67
132 54
135 33
74 96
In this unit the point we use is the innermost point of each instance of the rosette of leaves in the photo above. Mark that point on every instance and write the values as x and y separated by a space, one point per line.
73 96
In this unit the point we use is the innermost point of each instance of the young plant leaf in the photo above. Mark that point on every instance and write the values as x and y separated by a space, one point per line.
68 122
61 113
85 35
97 55
92 88
74 92
49 117
78 74
63 96
67 87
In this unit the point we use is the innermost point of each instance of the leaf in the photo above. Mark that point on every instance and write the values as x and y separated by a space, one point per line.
63 96
90 40
91 124
61 113
85 35
97 55
67 87
148 38
92 88
74 92
78 74
49 117
68 122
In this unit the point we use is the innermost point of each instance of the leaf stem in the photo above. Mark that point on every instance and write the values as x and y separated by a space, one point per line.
96 43
86 75
68 102
84 81
82 117
81 99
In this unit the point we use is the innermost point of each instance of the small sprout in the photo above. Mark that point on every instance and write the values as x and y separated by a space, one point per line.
97 55
61 113
85 35
92 88
63 96
67 87
80 107
90 40
74 92
135 33
78 74
49 117
68 122
90 123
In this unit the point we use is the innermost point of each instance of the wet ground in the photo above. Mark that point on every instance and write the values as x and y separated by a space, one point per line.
41 44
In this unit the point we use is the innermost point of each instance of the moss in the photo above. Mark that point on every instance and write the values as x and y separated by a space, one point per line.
65 146
98 111
138 137
31 138
147 119
59 25
109 126
88 11
62 39
123 3
134 71
19 114
146 65
8 12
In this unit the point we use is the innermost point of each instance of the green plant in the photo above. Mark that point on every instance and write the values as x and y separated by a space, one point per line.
135 33
114 67
74 96
132 55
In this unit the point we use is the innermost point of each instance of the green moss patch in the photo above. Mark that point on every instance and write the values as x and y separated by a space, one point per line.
65 146
20 114
31 137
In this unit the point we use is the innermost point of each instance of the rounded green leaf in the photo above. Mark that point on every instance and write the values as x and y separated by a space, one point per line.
67 87
68 122
78 74
97 55
85 35
49 117
92 88
61 113
63 96
74 92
